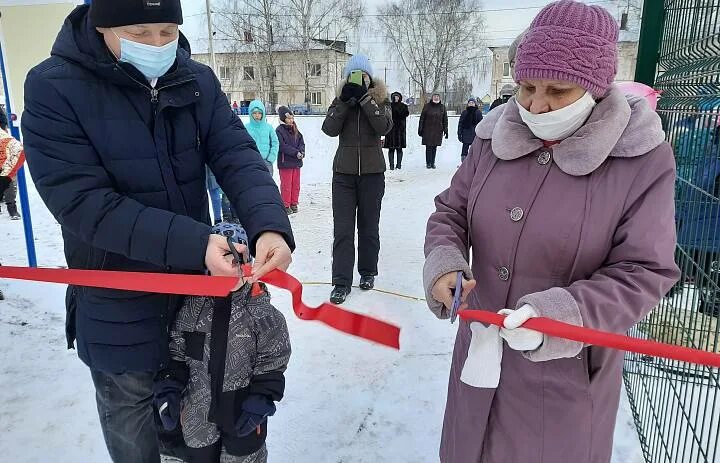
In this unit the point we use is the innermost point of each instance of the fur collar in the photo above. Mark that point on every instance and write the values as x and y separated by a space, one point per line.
378 91
619 126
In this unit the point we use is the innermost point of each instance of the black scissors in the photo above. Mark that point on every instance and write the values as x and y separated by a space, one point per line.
238 259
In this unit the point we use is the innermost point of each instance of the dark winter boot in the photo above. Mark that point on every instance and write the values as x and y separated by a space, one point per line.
294 208
2 296
289 210
339 294
12 210
367 282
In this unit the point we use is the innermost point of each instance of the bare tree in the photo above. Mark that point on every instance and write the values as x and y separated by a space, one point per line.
437 41
248 26
321 21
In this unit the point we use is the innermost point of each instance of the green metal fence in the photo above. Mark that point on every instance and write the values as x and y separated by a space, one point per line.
676 406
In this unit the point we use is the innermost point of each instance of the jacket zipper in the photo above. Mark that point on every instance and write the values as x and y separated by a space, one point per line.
154 92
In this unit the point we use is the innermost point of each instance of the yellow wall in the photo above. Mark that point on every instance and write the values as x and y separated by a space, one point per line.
28 33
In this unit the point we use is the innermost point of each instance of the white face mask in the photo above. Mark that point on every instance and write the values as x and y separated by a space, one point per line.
559 124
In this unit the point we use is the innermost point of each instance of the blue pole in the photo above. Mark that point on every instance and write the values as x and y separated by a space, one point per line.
21 181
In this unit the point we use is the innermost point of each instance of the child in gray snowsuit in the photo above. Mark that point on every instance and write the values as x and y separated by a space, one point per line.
228 356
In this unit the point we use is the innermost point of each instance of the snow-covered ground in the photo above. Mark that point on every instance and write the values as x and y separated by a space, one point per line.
346 400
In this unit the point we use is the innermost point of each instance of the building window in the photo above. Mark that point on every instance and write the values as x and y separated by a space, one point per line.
248 73
314 70
229 97
248 36
273 98
506 69
224 72
316 98
624 22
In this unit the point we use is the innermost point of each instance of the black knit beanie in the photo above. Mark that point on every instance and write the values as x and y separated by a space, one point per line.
283 112
116 13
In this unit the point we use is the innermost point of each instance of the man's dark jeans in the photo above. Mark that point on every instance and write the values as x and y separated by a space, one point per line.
124 403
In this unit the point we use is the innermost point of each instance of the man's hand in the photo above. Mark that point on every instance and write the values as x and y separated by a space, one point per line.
271 252
219 259
444 290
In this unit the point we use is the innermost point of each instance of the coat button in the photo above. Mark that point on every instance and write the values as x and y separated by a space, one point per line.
516 214
544 157
504 273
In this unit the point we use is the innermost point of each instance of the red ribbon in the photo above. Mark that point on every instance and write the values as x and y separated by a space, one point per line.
601 338
335 317
352 323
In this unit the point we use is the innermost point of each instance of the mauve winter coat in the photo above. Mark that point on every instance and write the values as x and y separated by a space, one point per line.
584 232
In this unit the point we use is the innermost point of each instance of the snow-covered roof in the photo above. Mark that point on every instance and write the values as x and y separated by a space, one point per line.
200 46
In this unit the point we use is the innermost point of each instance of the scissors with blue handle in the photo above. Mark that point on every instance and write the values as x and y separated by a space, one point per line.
457 298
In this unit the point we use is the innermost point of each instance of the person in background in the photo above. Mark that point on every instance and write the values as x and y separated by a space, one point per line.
290 160
359 116
396 139
433 125
263 134
505 94
236 107
469 118
10 195
508 90
119 125
216 195
564 209
12 157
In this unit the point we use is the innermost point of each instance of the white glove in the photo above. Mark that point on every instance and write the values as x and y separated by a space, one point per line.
521 339
484 360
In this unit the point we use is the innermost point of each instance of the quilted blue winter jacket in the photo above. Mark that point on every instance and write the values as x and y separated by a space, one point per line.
263 133
123 172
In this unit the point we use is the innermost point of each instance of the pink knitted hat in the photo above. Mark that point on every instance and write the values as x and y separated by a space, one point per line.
570 41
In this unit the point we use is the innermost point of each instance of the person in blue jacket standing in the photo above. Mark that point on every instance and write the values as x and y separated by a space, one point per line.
119 124
263 133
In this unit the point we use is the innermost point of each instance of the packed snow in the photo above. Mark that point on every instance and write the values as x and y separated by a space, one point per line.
346 400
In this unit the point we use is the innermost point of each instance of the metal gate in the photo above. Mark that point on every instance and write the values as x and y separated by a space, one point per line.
676 406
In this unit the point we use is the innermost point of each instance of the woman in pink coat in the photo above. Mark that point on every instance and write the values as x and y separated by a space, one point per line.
564 209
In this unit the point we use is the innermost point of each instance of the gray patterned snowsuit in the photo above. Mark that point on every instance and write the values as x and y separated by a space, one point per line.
245 336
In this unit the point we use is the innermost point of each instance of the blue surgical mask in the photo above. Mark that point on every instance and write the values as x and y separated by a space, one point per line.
153 62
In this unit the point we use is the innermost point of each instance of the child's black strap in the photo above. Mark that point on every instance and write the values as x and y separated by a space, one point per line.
218 353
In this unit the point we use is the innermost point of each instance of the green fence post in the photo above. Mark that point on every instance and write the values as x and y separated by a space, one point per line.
650 39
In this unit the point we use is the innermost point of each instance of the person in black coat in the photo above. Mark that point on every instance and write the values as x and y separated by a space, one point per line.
469 118
433 126
359 117
117 144
396 139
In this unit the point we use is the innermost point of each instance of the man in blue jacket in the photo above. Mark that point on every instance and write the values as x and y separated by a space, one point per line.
119 124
